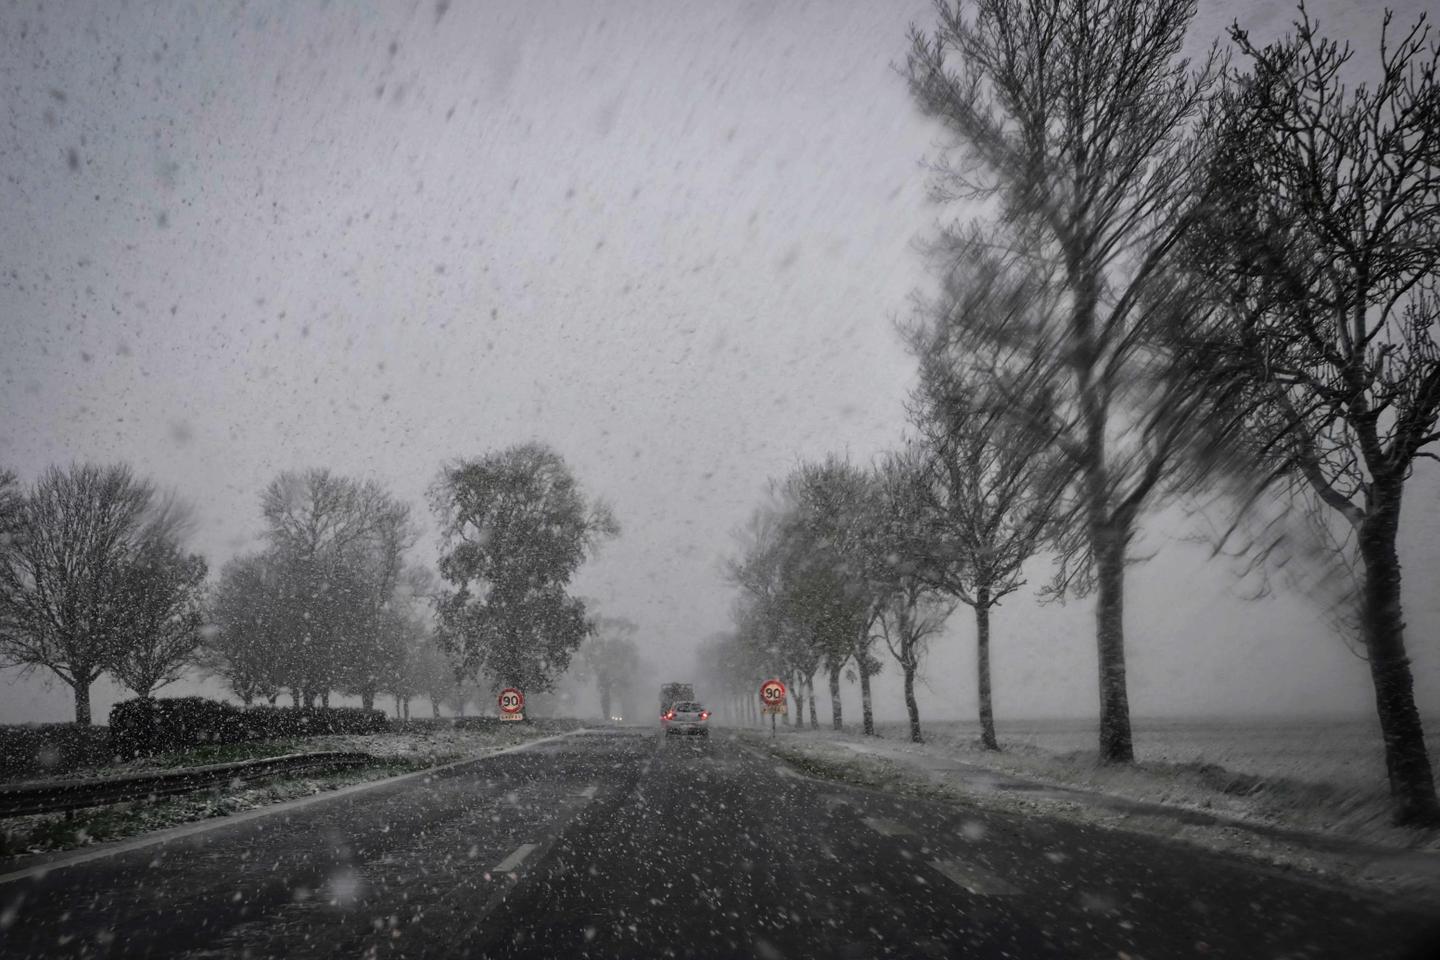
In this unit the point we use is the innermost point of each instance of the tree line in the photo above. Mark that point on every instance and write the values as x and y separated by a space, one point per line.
96 579
1164 281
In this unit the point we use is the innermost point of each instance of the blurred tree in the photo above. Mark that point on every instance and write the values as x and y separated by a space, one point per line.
248 643
828 565
342 544
515 528
163 596
65 570
1072 123
985 484
609 657
1323 242
913 608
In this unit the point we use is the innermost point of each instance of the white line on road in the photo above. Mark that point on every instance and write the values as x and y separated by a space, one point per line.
589 792
191 829
975 880
888 828
516 858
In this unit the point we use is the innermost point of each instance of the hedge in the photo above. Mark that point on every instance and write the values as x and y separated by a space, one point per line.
139 727
46 749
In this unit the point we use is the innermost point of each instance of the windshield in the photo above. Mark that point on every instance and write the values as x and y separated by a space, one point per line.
664 478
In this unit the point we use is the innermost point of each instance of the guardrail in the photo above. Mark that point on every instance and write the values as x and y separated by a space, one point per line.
55 796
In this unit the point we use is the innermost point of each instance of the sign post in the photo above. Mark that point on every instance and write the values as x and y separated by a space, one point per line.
772 700
512 704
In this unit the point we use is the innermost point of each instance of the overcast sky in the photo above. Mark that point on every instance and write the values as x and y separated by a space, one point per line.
668 238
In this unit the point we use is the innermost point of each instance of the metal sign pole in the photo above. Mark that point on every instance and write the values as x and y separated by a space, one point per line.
772 723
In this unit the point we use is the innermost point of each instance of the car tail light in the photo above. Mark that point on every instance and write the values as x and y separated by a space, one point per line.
668 715
704 714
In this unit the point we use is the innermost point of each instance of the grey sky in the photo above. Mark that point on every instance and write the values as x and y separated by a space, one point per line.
668 238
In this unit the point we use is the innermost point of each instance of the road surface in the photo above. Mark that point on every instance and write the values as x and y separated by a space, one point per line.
615 844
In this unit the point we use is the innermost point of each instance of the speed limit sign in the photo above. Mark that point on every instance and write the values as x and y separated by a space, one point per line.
772 695
512 703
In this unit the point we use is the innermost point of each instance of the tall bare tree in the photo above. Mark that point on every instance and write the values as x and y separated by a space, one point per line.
1073 118
1324 240
65 570
988 482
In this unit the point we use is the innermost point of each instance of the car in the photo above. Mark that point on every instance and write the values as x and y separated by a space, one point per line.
686 718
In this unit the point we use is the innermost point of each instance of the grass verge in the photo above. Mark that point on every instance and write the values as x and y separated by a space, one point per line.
50 832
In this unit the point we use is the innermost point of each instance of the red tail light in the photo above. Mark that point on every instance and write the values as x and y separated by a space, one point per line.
704 714
668 715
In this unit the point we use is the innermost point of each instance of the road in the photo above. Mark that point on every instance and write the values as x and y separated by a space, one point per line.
612 843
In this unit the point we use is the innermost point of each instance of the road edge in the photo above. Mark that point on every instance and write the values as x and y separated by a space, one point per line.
73 858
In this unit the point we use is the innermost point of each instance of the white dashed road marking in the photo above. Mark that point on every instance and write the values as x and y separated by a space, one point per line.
888 828
515 859
976 881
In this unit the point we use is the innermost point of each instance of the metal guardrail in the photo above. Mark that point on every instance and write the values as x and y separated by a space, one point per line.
55 796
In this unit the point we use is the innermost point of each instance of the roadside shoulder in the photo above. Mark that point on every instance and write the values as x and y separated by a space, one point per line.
1409 872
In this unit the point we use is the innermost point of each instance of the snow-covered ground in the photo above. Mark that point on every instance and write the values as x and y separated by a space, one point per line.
1303 794
397 752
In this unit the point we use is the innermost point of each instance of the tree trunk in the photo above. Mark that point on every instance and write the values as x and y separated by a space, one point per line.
1109 542
367 699
325 699
836 721
799 691
982 668
435 708
810 689
867 714
911 706
81 687
605 702
406 702
1382 627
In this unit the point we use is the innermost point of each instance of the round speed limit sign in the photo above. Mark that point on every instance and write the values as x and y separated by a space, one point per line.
511 700
772 693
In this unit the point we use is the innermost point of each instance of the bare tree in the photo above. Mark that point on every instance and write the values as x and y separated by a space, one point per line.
988 483
342 543
163 595
913 609
787 616
1073 119
829 556
1324 242
64 572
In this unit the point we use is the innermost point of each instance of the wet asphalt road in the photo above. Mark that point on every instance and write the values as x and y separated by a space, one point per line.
616 844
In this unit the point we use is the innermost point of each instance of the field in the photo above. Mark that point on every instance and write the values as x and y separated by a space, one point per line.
1337 752
1321 777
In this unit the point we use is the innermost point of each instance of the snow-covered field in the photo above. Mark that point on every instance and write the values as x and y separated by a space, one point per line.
1341 752
1265 784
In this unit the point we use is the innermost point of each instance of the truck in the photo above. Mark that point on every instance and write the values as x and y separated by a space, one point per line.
672 693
